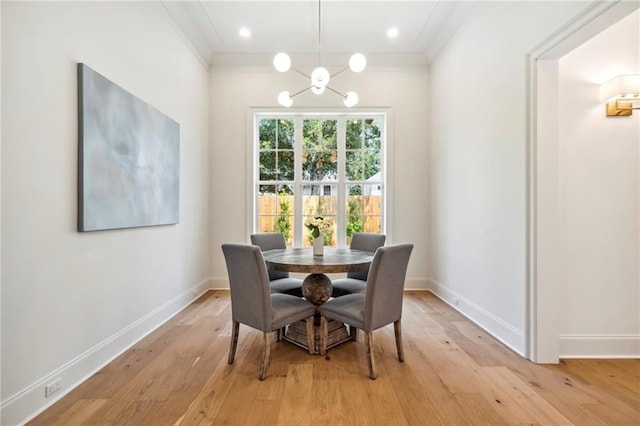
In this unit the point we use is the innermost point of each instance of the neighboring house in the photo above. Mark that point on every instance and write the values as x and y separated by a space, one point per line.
373 189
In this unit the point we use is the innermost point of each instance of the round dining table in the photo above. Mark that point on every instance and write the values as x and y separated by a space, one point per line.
316 287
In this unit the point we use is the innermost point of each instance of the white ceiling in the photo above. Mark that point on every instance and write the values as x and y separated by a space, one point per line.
347 27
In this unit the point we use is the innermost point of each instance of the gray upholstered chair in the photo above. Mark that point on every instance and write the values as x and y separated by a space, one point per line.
279 281
356 282
381 304
253 304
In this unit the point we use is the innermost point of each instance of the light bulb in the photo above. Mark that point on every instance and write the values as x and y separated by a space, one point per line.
284 99
350 99
317 90
357 62
282 62
320 77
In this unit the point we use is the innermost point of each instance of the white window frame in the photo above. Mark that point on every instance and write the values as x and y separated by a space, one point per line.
253 116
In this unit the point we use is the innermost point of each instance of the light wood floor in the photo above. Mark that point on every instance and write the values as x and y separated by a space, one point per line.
454 374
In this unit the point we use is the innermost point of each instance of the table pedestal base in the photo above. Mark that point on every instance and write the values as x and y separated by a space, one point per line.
317 288
297 334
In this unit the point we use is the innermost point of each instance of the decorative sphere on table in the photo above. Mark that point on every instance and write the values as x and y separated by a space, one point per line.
317 288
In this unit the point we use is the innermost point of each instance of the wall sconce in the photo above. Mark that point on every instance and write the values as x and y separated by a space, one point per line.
622 95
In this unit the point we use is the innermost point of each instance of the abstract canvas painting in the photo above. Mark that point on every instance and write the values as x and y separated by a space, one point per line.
129 158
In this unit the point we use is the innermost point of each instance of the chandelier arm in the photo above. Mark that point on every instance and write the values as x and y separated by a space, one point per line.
336 92
299 92
339 72
301 72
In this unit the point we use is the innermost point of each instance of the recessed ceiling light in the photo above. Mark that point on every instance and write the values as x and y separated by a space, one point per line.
392 32
244 32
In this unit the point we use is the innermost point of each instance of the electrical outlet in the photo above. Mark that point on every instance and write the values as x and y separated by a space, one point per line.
53 387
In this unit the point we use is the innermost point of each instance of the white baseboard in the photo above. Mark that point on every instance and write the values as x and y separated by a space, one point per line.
28 403
219 283
416 283
498 328
599 346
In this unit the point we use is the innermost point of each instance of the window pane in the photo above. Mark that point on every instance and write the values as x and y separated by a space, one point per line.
363 210
284 222
330 133
285 189
372 224
267 165
371 164
285 165
285 134
320 154
329 236
372 138
372 208
267 200
354 190
354 220
266 223
354 165
275 210
266 189
374 191
354 134
267 205
319 165
319 200
267 131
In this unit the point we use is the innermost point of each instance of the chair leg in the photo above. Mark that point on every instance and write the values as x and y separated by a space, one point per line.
311 336
278 335
235 328
368 340
354 333
398 330
265 358
324 334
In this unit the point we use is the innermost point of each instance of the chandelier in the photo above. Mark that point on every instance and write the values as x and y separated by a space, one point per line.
320 76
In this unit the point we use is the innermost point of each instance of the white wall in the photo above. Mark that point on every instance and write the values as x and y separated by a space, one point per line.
72 301
234 90
477 162
599 193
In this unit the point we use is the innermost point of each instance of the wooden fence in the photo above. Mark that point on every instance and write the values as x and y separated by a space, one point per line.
269 211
